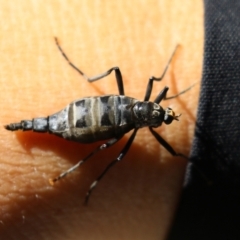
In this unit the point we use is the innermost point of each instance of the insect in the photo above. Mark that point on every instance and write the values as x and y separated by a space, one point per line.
107 117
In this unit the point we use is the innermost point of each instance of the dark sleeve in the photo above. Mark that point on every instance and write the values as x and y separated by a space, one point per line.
210 203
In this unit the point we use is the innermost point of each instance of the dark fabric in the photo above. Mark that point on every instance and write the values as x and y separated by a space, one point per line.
210 204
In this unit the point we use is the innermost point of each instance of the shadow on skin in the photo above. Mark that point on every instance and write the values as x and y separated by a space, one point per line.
125 182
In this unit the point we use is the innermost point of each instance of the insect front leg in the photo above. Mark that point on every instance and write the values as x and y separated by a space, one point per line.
166 145
119 158
151 79
99 148
99 76
182 92
163 94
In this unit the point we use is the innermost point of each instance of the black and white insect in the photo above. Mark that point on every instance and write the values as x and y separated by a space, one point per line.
107 117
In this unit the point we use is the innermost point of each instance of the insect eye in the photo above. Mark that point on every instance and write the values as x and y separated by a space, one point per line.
168 119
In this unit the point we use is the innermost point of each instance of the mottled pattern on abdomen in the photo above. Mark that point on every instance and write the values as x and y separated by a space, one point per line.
97 118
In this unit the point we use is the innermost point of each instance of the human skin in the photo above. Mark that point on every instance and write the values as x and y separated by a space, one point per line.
137 198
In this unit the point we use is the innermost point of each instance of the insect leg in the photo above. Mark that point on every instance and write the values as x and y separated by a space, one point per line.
161 95
166 145
151 79
99 76
119 158
99 148
182 92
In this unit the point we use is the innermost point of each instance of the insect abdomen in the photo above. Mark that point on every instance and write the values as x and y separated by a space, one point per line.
86 120
98 118
56 123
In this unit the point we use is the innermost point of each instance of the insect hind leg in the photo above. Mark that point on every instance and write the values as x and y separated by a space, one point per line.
99 76
111 164
99 148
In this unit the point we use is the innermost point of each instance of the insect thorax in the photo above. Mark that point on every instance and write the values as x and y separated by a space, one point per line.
148 114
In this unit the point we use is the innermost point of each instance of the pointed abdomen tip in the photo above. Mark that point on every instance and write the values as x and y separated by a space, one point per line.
7 127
